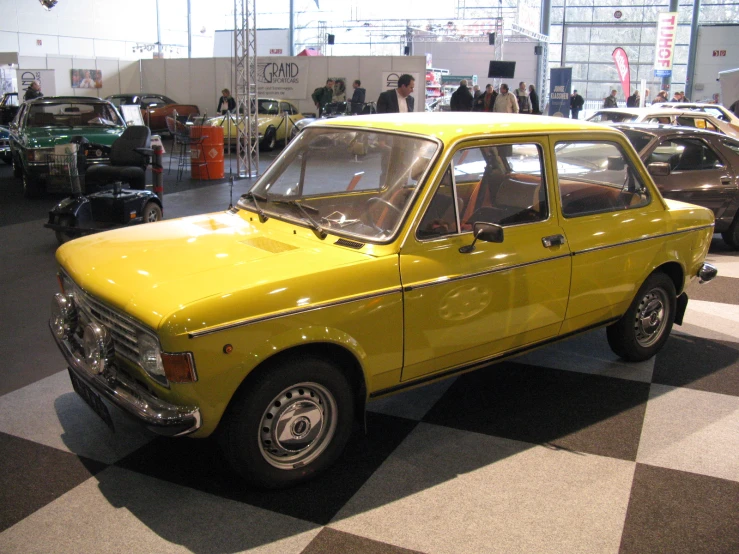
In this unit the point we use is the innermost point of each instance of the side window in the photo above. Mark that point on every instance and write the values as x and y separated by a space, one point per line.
597 177
285 107
693 155
502 184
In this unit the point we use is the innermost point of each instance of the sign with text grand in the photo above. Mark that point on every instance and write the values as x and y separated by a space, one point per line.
282 79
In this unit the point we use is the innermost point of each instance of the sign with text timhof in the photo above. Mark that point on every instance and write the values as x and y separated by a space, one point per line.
665 47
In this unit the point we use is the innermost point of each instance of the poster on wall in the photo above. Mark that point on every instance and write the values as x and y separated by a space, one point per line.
283 79
87 78
339 94
560 86
44 76
8 82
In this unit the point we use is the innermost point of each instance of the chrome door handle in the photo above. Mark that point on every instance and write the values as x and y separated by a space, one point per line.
553 240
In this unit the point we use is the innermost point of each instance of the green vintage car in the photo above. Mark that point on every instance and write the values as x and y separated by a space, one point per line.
44 123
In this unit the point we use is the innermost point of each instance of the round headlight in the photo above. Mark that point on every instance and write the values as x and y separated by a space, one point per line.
63 316
98 347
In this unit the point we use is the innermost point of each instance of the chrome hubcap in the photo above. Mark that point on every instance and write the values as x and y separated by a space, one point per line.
651 317
298 425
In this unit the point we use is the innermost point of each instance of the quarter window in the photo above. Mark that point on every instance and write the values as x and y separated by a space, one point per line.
501 184
686 155
597 177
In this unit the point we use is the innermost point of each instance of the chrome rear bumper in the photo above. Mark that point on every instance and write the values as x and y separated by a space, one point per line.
134 400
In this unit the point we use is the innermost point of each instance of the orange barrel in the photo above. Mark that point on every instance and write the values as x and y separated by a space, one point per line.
206 152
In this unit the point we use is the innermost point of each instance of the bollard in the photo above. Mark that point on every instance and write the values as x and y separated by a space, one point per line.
156 170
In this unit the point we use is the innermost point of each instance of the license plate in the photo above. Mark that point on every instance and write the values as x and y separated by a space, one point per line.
92 399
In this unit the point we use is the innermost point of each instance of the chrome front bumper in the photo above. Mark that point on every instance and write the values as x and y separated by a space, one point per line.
130 397
706 273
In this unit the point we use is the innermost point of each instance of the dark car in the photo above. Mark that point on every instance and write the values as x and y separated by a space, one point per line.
43 126
9 105
692 165
5 145
155 108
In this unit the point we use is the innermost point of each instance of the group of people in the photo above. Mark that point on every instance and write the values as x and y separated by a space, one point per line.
335 91
634 101
522 100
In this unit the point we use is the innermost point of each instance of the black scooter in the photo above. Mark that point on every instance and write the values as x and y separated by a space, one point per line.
111 205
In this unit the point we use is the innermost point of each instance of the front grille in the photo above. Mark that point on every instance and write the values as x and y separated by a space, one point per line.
122 328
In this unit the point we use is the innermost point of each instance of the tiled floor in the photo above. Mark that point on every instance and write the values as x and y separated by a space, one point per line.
567 449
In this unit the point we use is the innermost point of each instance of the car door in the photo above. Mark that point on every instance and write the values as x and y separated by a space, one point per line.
699 174
608 217
465 307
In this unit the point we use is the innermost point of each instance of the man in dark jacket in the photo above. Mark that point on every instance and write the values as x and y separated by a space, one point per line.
323 95
461 100
357 100
576 104
485 101
400 99
33 91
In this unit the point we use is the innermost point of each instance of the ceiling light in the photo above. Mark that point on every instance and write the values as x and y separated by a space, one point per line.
48 4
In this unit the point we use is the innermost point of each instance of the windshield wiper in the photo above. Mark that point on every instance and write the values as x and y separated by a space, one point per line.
317 228
254 197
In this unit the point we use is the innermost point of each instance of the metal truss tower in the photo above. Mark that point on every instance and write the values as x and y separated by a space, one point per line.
245 80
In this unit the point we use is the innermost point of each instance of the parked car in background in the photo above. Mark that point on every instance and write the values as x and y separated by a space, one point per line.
5 145
716 110
9 105
696 166
155 108
275 119
668 116
338 109
44 123
423 245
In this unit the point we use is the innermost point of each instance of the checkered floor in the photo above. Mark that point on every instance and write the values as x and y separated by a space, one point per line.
567 449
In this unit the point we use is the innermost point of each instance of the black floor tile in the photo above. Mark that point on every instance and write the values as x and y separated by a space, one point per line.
199 465
674 511
331 540
703 364
33 475
575 411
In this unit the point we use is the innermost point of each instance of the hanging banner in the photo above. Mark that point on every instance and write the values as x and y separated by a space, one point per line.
560 86
622 66
665 47
279 78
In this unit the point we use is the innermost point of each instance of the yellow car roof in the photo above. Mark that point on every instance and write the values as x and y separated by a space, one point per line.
449 126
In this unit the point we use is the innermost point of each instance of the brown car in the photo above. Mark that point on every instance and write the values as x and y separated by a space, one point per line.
155 108
692 165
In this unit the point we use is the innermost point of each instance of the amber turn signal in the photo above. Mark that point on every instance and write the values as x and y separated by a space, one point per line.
179 367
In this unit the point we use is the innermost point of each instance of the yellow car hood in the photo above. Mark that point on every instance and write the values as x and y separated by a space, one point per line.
155 270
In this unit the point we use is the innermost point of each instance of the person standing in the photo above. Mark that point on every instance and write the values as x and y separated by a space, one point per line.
505 102
462 99
485 101
534 99
476 92
227 101
357 101
576 104
33 91
400 99
661 97
323 95
522 97
610 100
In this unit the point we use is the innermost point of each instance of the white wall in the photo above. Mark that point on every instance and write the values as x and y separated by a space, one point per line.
199 81
714 38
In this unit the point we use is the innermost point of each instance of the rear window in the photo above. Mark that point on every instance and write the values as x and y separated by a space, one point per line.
638 139
70 114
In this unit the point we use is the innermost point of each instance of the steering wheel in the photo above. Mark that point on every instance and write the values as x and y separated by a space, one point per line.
386 202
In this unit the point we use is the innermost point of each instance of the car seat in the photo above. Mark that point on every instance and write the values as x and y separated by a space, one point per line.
126 163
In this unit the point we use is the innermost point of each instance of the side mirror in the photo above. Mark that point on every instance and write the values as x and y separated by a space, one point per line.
659 169
486 232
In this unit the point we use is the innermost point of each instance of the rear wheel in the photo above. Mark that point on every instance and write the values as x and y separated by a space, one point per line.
31 188
731 237
17 168
65 236
289 422
152 212
646 325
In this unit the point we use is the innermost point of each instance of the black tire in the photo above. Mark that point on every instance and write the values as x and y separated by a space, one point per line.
152 212
62 236
17 168
31 189
731 236
646 325
269 142
289 422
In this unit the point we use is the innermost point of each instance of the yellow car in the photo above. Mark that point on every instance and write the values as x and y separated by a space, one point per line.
275 119
376 254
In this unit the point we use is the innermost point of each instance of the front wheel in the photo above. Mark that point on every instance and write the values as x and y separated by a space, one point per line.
646 325
152 212
731 237
288 423
269 142
65 236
